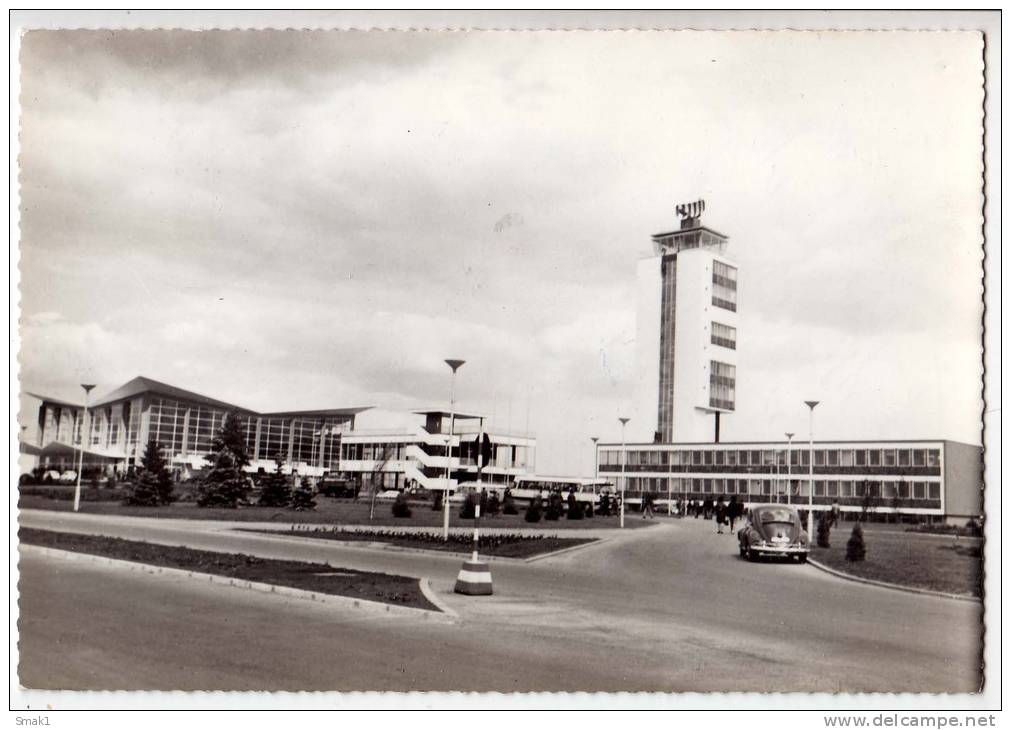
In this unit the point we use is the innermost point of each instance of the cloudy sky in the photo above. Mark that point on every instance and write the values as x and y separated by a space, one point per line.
305 219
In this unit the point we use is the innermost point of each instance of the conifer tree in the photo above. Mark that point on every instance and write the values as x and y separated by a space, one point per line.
303 497
276 490
225 483
153 484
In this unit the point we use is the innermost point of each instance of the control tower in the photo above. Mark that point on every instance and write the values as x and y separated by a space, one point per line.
686 333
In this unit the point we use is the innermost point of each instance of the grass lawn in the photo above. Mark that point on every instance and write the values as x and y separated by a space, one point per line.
507 546
911 559
317 577
328 511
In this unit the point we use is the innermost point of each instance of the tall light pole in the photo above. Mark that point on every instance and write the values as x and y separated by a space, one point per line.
455 365
80 462
789 456
810 466
594 439
624 460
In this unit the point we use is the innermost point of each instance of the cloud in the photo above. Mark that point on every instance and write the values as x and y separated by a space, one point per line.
282 219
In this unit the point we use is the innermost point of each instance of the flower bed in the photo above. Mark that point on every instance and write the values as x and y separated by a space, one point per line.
513 545
316 577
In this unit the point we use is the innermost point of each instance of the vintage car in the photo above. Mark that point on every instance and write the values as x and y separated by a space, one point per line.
773 529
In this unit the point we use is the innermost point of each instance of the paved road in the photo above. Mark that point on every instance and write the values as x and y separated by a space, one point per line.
669 608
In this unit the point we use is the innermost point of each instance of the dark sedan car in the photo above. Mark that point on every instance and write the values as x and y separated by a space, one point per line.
773 529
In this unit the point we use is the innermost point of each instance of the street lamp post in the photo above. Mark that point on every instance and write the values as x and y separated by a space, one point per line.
80 463
789 456
810 466
624 460
455 365
594 439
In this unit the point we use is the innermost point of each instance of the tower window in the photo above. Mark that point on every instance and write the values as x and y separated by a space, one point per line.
723 335
722 385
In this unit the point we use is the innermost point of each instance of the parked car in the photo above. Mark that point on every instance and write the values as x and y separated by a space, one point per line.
68 477
773 529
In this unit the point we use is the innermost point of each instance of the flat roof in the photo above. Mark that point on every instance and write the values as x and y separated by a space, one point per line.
797 443
447 414
691 230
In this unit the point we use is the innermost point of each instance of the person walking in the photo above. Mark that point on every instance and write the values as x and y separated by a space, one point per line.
647 506
733 511
721 514
707 508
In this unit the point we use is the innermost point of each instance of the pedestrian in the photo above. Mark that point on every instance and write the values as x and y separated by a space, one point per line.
707 508
721 514
734 511
695 509
647 505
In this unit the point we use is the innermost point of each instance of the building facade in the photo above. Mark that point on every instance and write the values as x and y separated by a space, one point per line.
312 443
686 334
941 479
417 456
119 425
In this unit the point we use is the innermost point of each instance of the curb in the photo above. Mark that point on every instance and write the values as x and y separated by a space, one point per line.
359 604
893 586
571 548
429 593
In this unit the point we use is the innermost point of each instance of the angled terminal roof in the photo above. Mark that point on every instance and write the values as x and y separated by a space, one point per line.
141 384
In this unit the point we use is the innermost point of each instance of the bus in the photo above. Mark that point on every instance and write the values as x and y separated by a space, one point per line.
527 487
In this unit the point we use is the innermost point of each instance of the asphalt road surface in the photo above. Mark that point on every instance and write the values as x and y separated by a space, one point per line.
670 608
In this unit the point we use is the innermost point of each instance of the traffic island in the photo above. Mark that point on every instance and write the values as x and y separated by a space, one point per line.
315 578
515 545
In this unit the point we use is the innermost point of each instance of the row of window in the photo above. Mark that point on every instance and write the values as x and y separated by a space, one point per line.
504 456
886 491
799 456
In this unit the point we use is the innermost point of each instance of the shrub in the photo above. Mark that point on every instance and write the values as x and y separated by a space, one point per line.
973 528
574 510
437 500
588 510
275 490
492 507
554 509
303 497
400 506
467 509
533 513
508 504
824 527
855 548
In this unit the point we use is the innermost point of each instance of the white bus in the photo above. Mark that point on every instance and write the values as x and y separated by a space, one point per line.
529 486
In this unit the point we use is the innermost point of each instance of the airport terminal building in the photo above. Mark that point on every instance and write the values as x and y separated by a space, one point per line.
687 380
312 443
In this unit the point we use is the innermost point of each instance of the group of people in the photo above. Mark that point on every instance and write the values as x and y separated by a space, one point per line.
726 513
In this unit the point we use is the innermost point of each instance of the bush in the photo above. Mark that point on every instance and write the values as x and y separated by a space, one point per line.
824 527
400 506
855 548
574 510
508 504
303 498
554 509
492 507
588 510
533 513
467 509
437 500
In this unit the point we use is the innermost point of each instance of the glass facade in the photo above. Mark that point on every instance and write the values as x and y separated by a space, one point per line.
665 403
